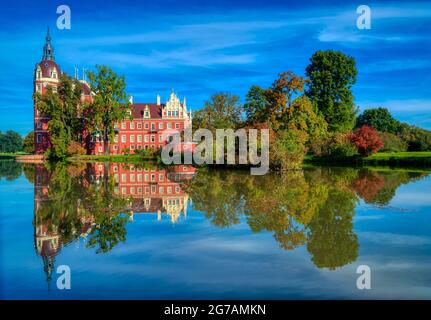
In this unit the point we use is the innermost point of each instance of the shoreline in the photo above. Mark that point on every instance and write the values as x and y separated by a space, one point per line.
396 160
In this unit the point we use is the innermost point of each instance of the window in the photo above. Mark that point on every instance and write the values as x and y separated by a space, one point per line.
153 177
39 138
161 138
123 138
132 177
123 125
147 177
139 189
115 147
39 125
132 138
153 138
147 114
160 190
123 190
169 125
115 168
140 177
177 189
132 147
132 190
139 138
123 177
161 177
177 125
100 149
116 138
169 190
139 147
146 126
153 126
160 125
139 125
132 126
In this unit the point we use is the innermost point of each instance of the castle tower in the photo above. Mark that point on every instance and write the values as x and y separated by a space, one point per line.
46 74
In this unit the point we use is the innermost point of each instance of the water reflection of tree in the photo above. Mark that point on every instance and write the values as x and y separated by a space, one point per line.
314 207
10 169
74 201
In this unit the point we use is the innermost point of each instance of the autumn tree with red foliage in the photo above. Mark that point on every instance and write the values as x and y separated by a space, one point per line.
367 140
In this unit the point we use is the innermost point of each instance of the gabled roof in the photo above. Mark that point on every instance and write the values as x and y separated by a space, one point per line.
139 108
47 66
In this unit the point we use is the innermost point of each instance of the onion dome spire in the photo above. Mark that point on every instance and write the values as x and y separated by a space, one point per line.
48 49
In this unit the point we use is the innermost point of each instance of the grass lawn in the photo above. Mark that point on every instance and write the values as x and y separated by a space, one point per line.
400 155
400 159
10 155
133 158
403 159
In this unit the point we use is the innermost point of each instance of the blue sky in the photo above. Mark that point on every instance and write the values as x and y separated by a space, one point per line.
203 47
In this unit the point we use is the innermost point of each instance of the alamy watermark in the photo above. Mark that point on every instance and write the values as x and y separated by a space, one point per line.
230 146
364 280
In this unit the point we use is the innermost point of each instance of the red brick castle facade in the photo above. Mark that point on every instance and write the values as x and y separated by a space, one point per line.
147 129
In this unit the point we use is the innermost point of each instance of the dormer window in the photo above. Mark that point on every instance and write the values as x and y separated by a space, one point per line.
54 75
146 112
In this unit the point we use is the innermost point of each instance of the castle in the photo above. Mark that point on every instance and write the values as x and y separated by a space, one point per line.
146 129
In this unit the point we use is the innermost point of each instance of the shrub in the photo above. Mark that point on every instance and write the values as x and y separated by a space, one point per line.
288 150
28 143
392 142
75 148
367 140
334 145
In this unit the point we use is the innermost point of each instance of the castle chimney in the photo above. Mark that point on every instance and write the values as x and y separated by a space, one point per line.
158 100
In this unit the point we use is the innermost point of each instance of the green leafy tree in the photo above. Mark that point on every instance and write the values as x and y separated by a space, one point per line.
28 143
110 104
256 105
63 107
380 119
221 111
331 76
10 141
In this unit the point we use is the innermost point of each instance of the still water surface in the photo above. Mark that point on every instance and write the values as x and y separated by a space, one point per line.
149 232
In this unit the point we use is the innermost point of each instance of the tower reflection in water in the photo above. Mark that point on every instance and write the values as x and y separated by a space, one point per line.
95 201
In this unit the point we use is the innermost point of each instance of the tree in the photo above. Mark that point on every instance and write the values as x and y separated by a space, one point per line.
331 76
283 92
288 150
256 105
28 143
221 111
110 104
367 140
380 119
392 142
63 107
10 141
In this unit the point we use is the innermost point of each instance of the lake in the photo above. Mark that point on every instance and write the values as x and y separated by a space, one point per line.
145 232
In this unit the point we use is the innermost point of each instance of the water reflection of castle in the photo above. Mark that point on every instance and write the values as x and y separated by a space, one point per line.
151 190
145 191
